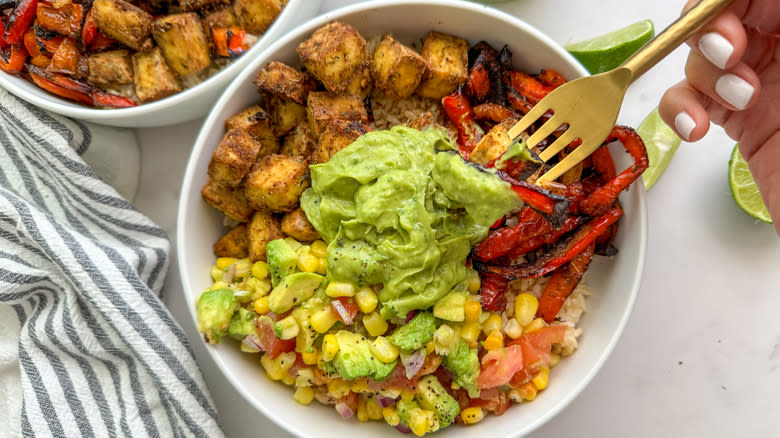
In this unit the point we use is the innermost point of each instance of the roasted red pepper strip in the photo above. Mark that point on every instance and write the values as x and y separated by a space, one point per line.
17 55
602 163
100 41
229 42
64 19
495 112
31 43
500 241
493 292
553 207
47 42
530 243
89 30
53 88
562 282
551 78
67 58
458 110
20 20
532 89
109 100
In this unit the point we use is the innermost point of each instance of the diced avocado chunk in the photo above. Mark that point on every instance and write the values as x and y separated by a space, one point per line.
355 359
242 324
415 333
215 309
450 307
432 396
405 408
464 364
293 290
282 259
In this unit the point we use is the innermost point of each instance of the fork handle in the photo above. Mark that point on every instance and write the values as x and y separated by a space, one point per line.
674 35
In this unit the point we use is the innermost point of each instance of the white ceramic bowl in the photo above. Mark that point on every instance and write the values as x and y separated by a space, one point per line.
189 104
614 281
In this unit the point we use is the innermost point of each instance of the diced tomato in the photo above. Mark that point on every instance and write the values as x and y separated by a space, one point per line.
395 380
345 309
536 347
269 341
499 365
493 292
297 365
492 400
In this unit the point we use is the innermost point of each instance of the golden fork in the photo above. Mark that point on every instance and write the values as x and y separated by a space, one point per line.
590 105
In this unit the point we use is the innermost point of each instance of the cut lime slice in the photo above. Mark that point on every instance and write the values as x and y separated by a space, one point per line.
608 51
744 189
661 143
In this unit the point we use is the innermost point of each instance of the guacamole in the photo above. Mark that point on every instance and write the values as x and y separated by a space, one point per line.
401 208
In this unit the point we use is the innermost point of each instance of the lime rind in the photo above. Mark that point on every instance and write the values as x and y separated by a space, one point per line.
744 189
605 52
661 143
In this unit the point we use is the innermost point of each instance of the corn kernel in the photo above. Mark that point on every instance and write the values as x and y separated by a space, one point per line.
319 248
366 299
286 328
259 288
288 379
474 282
330 347
494 340
359 386
261 306
306 261
304 377
472 415
554 359
362 412
225 262
323 319
338 388
391 416
374 324
218 285
260 269
422 421
373 409
470 333
384 350
322 266
528 391
243 267
526 306
512 328
445 339
272 368
339 289
407 395
472 310
494 322
536 324
216 273
541 379
303 395
310 356
285 360
430 347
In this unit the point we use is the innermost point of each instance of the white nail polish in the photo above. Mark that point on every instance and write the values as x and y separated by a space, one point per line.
685 125
716 48
734 90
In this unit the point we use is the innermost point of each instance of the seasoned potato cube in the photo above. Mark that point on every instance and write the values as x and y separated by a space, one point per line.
284 81
235 243
447 59
256 15
337 135
111 67
152 77
322 107
263 228
299 142
183 43
276 182
123 22
296 225
233 158
197 5
221 18
285 114
494 143
334 54
230 201
396 69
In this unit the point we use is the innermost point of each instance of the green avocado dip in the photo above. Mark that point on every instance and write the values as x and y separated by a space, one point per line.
401 208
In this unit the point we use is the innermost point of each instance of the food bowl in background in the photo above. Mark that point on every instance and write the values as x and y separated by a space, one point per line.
614 281
186 105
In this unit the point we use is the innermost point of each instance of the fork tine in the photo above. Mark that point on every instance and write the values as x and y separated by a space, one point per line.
529 118
558 145
545 130
586 148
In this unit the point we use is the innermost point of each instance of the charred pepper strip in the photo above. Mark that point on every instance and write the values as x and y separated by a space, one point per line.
89 30
494 112
459 111
562 282
500 241
553 207
20 20
492 292
550 236
532 89
53 88
100 98
15 56
229 41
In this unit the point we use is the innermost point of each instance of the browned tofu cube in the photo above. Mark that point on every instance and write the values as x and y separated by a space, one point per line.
296 225
183 43
197 5
284 81
228 200
447 60
255 16
494 143
111 67
396 69
235 243
361 84
152 77
285 114
222 18
258 123
334 54
123 22
263 228
299 142
276 182
233 157
322 107
337 135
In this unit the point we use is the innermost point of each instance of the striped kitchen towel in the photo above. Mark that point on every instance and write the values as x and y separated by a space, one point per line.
93 349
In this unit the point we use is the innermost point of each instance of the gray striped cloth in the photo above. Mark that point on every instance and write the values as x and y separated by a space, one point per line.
83 332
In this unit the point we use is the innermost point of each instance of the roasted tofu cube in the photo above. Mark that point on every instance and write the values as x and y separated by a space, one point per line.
334 54
396 69
276 182
263 228
299 142
235 243
285 114
447 60
296 225
337 135
233 158
230 201
183 43
361 84
152 77
222 18
123 22
258 123
197 5
111 67
322 107
493 144
281 80
255 16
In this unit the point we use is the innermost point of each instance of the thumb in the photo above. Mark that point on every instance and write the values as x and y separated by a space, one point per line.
766 171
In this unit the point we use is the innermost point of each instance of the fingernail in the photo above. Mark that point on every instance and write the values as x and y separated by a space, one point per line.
716 48
684 124
734 90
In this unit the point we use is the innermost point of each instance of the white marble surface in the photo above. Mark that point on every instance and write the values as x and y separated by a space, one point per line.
701 353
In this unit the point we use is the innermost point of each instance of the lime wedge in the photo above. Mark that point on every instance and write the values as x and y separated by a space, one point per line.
661 143
744 189
607 51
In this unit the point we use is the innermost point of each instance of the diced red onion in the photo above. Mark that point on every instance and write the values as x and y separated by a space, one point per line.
384 401
338 306
229 274
252 341
412 363
403 428
344 410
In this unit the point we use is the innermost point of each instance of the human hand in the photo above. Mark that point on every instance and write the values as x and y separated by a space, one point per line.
732 78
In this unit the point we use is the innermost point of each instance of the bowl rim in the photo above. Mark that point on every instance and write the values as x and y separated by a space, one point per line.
100 115
301 31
